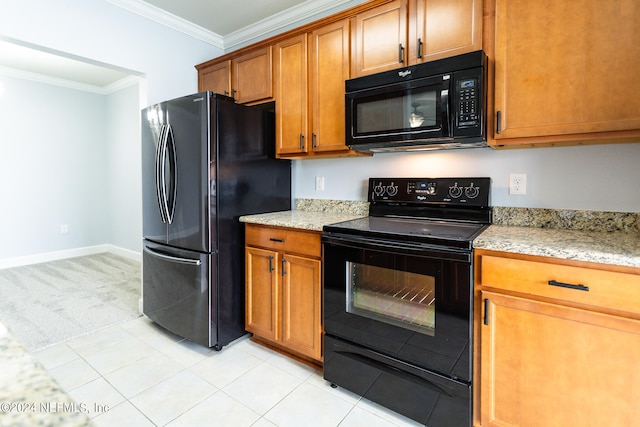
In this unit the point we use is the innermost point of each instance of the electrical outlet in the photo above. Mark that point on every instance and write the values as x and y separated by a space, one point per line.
64 229
320 183
518 184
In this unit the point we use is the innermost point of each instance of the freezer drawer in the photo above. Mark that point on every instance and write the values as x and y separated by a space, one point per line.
177 292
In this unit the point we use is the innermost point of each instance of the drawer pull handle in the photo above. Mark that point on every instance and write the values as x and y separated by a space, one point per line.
273 239
569 285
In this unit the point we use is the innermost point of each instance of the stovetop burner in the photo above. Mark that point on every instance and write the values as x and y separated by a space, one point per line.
441 211
413 230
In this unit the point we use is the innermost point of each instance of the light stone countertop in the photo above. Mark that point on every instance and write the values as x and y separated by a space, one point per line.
617 248
28 394
592 236
306 220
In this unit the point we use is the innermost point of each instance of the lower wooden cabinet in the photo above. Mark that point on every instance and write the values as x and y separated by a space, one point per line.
283 289
552 350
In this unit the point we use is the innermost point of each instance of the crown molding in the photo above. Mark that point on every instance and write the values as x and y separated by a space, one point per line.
279 21
69 84
255 31
172 21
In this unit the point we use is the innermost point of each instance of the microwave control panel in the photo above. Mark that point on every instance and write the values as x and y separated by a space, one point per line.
467 99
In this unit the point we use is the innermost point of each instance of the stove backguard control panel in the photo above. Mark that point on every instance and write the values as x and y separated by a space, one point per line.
443 191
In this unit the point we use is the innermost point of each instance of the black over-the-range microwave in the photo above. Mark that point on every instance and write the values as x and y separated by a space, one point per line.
434 105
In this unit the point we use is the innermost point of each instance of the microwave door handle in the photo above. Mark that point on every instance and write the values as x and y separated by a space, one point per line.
444 101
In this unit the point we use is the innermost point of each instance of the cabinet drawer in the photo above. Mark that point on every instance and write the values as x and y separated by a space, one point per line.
578 285
283 239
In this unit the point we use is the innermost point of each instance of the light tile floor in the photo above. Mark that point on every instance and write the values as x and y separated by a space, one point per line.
138 374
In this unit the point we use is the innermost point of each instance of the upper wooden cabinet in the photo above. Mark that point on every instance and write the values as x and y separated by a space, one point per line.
247 77
379 39
216 77
310 71
442 28
395 34
292 136
566 71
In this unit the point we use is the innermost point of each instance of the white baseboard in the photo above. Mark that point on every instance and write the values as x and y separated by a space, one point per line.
69 253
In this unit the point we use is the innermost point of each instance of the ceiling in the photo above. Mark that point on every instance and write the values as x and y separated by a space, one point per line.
222 23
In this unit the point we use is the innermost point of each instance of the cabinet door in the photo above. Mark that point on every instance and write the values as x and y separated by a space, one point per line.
291 95
252 77
548 365
301 327
216 78
262 295
329 63
441 28
566 68
380 39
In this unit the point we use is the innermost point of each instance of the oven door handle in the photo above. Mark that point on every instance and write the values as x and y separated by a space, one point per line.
414 249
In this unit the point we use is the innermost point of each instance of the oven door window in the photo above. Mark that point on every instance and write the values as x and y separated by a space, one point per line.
396 297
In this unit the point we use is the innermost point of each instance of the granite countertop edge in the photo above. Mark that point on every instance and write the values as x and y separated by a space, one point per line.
28 393
598 237
300 219
615 248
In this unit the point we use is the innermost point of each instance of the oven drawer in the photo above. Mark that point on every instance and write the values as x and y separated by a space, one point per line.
424 396
584 286
282 239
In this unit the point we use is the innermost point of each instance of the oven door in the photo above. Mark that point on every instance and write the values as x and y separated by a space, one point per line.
402 301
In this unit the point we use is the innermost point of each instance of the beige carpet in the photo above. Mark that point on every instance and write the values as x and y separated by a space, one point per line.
48 303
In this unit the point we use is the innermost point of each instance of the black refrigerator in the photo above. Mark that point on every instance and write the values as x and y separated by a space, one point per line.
206 161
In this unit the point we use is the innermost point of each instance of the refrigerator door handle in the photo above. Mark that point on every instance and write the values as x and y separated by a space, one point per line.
173 193
160 173
170 258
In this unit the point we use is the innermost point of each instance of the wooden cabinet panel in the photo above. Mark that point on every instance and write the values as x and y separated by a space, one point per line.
252 76
442 28
262 292
549 365
246 77
301 323
329 68
283 288
379 39
283 239
589 286
566 71
216 78
310 70
291 95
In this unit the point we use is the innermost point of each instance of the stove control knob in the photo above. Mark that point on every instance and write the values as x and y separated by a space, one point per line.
379 189
471 191
392 190
455 191
431 189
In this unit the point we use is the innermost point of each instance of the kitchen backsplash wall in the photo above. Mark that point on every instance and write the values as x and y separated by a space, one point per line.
592 178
